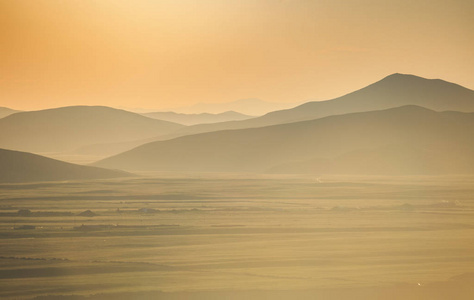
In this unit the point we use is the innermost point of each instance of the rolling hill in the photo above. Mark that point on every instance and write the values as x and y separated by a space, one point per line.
193 119
67 128
5 111
261 149
392 91
20 167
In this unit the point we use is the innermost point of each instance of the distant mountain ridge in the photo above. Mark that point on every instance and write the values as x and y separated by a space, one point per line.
20 167
193 119
112 131
251 106
392 91
261 149
68 128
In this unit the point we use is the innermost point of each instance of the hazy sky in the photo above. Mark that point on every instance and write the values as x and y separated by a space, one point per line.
169 53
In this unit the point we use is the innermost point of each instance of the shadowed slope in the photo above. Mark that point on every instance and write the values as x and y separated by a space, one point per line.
257 149
27 167
392 91
67 128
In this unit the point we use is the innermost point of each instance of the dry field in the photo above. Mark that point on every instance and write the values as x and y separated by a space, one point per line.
224 236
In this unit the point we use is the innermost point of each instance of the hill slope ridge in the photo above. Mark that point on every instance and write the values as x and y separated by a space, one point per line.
19 167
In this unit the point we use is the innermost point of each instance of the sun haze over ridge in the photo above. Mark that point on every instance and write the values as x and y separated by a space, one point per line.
159 54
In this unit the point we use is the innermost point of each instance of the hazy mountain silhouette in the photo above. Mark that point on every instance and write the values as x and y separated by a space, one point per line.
252 107
67 128
193 119
27 167
392 91
260 149
5 111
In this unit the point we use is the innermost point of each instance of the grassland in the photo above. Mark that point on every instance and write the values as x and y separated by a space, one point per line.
228 236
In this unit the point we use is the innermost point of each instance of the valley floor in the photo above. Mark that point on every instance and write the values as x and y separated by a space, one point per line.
238 236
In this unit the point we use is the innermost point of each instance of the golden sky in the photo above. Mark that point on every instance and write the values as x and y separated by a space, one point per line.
170 53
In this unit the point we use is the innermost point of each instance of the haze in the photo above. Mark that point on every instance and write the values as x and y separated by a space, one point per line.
160 54
238 149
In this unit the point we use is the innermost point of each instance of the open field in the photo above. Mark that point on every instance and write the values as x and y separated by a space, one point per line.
224 236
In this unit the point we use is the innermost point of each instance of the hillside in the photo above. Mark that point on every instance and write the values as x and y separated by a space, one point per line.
392 91
27 167
67 128
260 149
5 111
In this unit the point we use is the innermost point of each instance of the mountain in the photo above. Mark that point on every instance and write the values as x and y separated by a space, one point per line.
392 91
27 167
67 128
252 107
193 119
5 111
261 149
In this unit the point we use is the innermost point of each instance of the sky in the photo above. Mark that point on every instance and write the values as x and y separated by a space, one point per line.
172 53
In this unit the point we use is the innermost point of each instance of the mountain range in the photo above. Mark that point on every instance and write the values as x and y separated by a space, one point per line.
400 124
445 135
392 91
251 106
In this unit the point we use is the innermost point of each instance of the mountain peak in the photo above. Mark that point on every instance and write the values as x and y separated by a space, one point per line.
407 78
401 76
